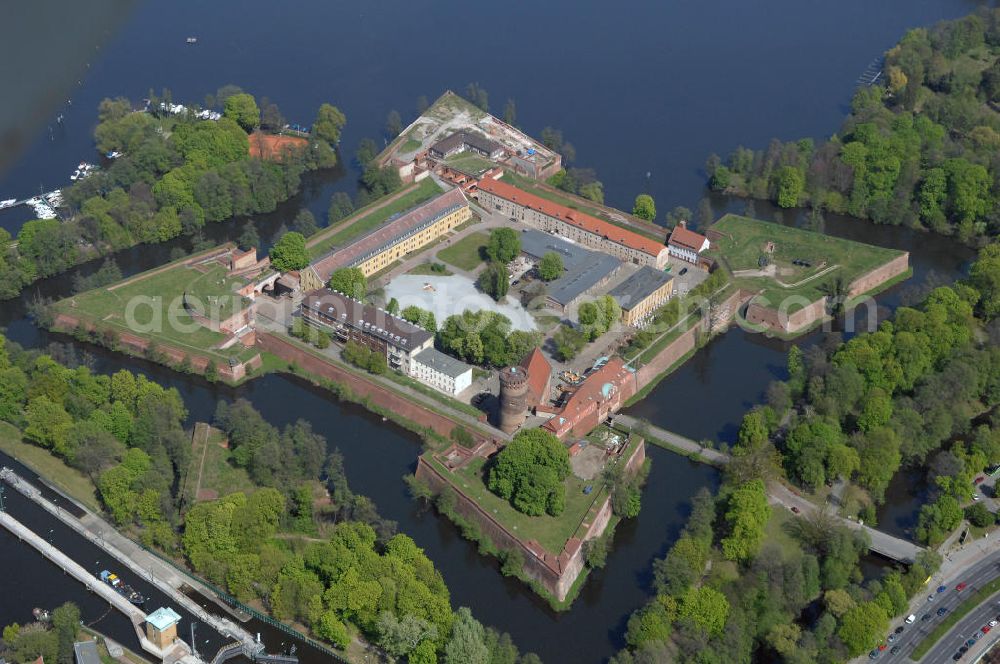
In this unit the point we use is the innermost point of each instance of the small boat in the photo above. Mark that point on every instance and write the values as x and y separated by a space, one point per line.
7 203
192 40
114 154
122 588
41 615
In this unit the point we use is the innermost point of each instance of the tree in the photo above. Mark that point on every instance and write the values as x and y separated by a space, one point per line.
862 627
650 624
478 96
393 124
644 207
392 306
340 207
979 515
242 109
421 317
351 281
568 342
494 280
504 245
468 640
366 152
399 637
305 223
706 607
289 253
790 186
66 625
530 472
551 266
510 112
747 518
248 237
328 124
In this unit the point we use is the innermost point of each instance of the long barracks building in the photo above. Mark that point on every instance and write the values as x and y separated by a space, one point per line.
392 240
572 224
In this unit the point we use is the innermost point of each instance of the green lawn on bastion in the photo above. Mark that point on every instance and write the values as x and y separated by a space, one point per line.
163 291
551 532
745 240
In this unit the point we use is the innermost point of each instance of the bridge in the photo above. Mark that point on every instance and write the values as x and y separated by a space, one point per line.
882 543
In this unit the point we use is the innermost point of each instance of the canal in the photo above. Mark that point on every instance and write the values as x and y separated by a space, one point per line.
644 91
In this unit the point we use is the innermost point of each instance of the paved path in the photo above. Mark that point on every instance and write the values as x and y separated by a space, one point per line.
706 454
880 542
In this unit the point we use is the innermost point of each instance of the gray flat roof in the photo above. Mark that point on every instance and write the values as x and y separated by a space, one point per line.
86 652
584 268
643 283
438 361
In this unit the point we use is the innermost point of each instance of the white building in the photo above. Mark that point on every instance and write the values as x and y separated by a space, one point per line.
685 244
440 371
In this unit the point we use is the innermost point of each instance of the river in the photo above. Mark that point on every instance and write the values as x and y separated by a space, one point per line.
644 92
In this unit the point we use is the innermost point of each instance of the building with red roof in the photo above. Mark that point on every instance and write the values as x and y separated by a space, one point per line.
602 393
572 224
686 244
539 377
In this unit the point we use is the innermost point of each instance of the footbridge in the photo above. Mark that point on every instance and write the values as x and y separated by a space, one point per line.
884 544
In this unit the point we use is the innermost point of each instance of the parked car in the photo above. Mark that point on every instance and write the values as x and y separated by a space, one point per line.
942 611
795 509
994 623
683 271
957 656
910 619
930 598
970 643
961 586
978 480
925 617
941 589
986 629
895 650
890 638
963 649
873 654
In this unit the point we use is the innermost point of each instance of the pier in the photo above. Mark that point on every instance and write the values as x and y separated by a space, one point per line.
141 562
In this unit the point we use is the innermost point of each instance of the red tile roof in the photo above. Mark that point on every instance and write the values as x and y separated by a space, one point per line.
539 371
688 239
594 225
600 386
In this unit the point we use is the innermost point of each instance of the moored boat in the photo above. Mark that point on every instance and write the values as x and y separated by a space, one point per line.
122 588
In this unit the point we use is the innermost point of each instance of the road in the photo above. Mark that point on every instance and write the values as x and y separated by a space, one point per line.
976 575
880 542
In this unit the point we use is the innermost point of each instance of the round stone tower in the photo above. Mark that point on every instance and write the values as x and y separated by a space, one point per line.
513 398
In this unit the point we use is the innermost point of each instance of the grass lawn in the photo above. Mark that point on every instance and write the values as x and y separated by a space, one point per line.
411 145
469 162
952 618
212 289
546 322
69 480
532 186
549 531
744 241
218 473
368 219
465 254
427 270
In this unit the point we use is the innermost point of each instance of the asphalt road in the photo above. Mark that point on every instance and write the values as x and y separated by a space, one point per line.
975 577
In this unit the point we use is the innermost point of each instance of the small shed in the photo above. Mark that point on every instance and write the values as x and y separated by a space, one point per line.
161 627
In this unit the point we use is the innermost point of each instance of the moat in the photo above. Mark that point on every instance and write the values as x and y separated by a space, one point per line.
376 453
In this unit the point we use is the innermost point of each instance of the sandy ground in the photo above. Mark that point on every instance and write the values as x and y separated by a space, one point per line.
448 296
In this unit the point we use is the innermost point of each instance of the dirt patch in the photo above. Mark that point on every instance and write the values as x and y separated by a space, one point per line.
270 147
588 462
